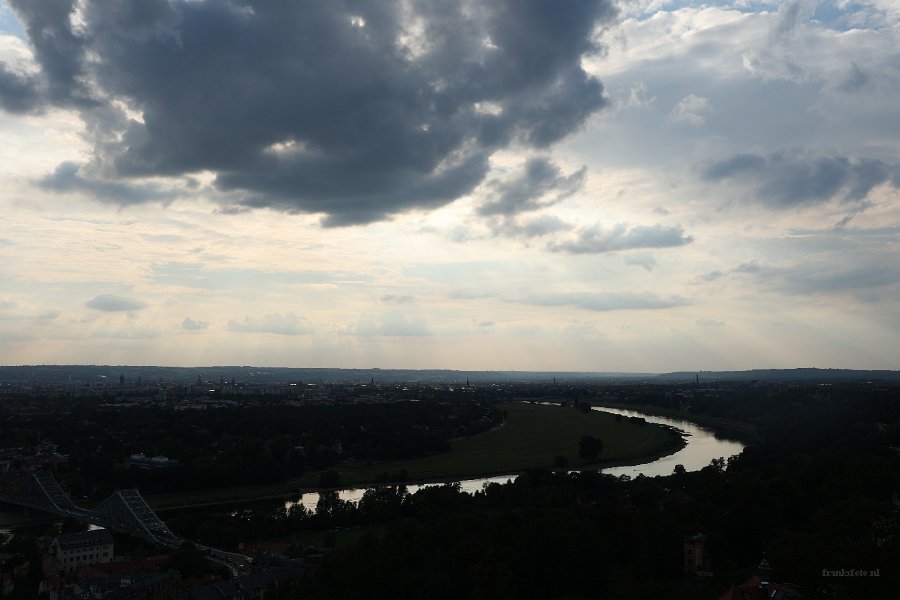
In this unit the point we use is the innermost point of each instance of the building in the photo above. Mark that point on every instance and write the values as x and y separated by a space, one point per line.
72 549
761 587
696 557
248 587
150 462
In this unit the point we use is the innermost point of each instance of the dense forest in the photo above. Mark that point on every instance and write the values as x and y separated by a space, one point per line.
223 447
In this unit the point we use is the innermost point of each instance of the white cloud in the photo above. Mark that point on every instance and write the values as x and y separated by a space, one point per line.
638 96
691 110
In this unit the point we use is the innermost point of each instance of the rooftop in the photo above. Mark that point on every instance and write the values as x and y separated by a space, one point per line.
85 538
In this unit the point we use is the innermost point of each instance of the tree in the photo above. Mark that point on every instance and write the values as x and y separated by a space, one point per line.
188 560
329 479
589 448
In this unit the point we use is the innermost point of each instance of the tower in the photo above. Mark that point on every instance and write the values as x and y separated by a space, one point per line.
765 572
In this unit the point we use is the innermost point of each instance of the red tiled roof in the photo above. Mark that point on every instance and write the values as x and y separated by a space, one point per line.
749 590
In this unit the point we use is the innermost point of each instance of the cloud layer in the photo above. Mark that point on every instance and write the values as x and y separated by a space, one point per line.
737 205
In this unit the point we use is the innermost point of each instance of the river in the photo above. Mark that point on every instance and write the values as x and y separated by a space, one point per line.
702 447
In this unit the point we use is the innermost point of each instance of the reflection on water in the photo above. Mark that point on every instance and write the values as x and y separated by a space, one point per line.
309 500
702 446
14 521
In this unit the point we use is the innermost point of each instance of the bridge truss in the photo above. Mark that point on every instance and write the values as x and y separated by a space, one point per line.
124 511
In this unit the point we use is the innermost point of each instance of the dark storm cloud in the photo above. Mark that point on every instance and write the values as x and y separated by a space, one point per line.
540 184
18 93
59 51
596 240
110 303
349 108
784 179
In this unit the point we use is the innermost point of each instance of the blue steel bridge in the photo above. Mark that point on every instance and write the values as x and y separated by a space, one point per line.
124 511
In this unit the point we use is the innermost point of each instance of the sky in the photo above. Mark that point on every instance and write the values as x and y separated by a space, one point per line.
575 185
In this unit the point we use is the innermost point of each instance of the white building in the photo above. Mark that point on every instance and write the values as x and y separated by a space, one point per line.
85 548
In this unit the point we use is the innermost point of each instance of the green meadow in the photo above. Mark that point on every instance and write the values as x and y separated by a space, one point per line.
532 437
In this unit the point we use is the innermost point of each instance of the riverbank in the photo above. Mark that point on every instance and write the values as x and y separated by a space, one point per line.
299 492
729 428
250 494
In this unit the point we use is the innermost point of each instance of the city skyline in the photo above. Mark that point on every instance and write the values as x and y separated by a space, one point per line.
634 187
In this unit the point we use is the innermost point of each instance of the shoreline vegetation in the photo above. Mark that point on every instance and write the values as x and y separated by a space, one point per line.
728 428
533 436
236 500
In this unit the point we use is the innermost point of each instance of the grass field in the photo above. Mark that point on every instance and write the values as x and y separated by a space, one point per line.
532 437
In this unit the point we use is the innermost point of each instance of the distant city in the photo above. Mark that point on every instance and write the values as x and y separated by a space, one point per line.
100 380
